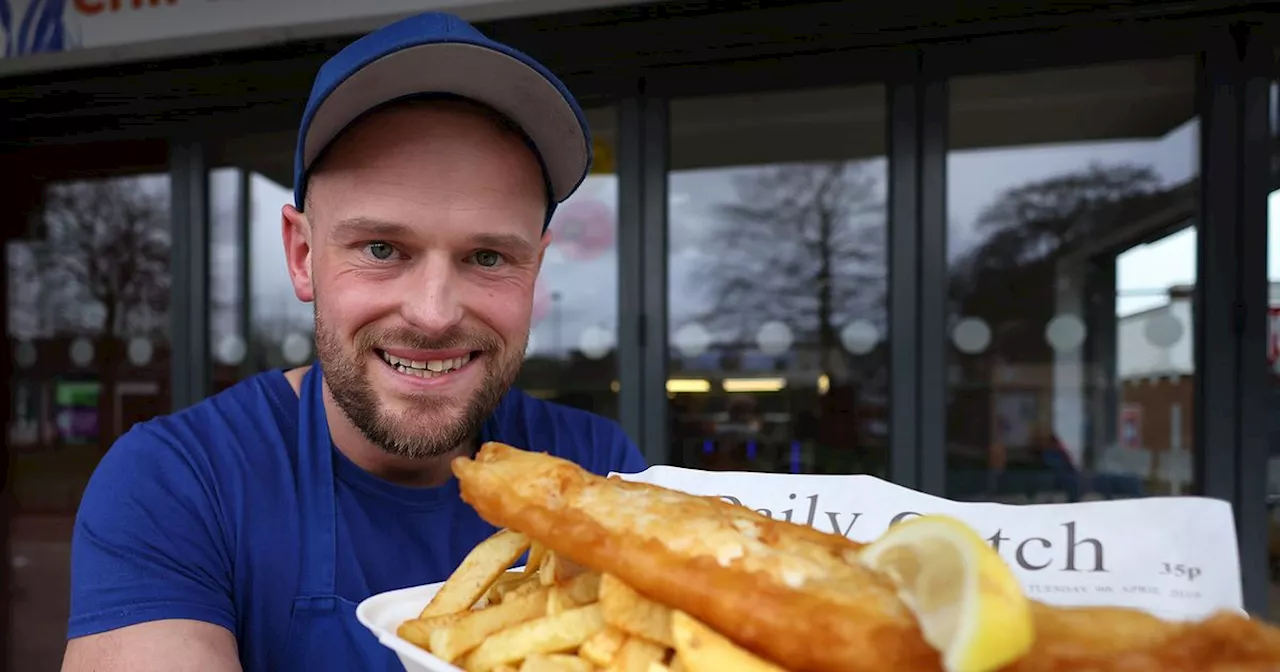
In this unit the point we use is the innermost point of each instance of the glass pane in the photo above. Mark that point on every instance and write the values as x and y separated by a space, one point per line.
1072 197
89 336
571 358
252 179
281 328
227 345
778 279
571 343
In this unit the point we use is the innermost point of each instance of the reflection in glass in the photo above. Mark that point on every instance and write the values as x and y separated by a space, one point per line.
778 281
251 180
226 293
88 324
570 356
278 321
1072 198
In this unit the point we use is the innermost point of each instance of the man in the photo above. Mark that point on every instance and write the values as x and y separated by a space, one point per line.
242 532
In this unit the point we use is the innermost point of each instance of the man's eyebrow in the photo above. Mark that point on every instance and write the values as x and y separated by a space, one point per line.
367 227
502 241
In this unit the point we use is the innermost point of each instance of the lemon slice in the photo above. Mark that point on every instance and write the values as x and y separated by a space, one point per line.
969 604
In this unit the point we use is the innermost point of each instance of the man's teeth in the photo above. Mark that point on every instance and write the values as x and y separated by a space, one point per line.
426 369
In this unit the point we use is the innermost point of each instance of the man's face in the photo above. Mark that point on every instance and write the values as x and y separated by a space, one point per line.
420 246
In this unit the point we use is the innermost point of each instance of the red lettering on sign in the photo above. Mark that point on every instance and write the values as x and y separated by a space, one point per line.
91 7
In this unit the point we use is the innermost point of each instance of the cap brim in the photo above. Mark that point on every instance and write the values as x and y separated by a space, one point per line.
473 71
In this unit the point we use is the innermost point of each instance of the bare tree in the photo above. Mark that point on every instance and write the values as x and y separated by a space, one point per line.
1027 226
107 246
104 262
804 245
26 314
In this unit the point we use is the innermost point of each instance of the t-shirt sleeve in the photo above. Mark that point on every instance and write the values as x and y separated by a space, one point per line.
625 458
147 543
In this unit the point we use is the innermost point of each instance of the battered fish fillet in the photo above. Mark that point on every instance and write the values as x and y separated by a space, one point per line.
1112 639
785 591
798 596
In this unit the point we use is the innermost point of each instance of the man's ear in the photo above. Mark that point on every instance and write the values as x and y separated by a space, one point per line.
542 251
296 231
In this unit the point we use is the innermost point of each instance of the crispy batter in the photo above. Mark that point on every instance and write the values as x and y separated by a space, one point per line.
785 591
1106 639
798 596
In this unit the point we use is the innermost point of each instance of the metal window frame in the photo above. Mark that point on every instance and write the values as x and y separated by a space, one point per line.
1215 312
642 262
917 130
1255 379
905 328
934 284
1233 387
654 140
189 269
244 270
631 271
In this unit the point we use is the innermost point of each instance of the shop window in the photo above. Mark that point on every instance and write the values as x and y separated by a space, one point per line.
88 328
1072 201
778 282
572 355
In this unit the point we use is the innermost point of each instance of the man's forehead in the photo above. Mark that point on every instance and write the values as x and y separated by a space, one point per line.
367 205
430 120
432 136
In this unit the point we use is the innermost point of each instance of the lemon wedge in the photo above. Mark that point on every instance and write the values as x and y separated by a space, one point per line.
969 604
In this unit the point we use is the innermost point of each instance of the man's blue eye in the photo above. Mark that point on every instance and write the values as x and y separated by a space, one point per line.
488 258
381 251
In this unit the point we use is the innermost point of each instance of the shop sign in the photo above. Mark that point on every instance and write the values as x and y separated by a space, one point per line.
31 28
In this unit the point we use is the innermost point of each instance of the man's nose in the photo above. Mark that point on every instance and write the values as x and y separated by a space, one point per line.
432 305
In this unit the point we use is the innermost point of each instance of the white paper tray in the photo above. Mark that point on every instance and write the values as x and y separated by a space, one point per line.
383 613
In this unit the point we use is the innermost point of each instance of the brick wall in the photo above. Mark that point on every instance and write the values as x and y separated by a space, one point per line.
1156 398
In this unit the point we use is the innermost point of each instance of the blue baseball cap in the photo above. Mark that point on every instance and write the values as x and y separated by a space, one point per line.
440 54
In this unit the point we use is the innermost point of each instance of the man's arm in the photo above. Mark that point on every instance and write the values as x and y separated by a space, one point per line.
151 585
159 646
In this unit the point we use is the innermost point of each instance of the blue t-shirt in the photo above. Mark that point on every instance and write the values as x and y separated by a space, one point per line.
195 515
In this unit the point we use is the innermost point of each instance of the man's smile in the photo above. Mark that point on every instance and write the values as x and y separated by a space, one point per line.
428 365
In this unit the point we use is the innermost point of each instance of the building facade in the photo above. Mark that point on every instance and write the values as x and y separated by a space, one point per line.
1021 254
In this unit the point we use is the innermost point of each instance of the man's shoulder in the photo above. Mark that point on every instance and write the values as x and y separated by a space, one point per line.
520 404
162 520
252 412
594 441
